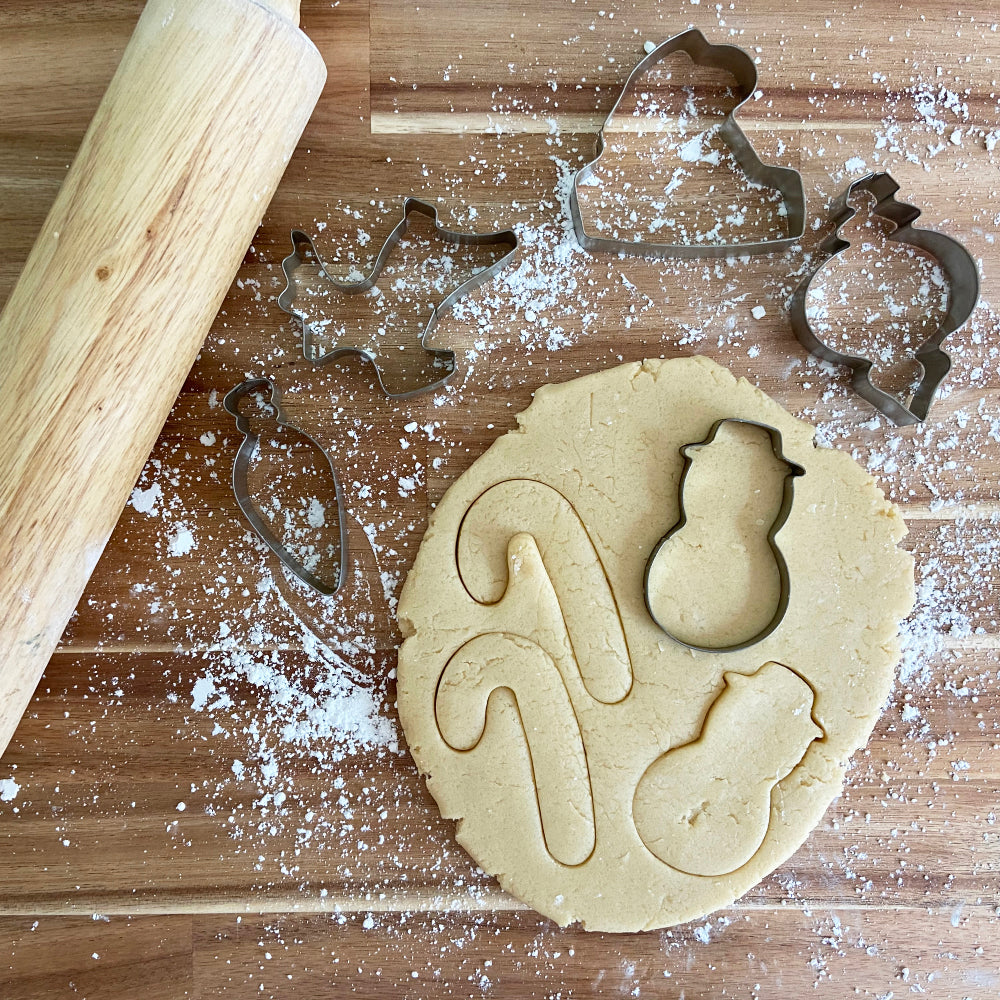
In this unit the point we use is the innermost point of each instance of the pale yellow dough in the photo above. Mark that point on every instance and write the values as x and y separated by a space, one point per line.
603 771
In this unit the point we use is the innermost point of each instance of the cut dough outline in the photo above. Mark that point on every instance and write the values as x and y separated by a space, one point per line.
622 885
559 599
528 742
578 734
698 740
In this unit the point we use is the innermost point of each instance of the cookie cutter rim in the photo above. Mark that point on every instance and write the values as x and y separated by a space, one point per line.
294 260
961 276
787 498
241 488
786 180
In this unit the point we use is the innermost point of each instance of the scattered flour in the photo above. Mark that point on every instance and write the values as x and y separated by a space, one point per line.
146 501
181 540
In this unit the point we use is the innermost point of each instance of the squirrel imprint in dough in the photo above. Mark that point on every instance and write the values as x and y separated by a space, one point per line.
704 808
715 580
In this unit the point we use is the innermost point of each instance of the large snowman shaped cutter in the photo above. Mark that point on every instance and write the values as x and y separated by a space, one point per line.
787 496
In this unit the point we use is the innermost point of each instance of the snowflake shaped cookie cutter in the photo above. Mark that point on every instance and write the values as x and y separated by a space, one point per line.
786 180
444 357
961 278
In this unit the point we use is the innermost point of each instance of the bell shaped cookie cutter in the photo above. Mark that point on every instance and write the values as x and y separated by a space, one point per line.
241 485
300 240
961 276
786 180
787 497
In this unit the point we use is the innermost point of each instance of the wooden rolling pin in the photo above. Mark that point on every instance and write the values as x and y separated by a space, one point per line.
118 294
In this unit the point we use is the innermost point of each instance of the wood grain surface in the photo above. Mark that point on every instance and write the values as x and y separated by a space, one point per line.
178 816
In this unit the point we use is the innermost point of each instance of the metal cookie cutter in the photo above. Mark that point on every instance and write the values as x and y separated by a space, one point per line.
784 179
961 276
787 496
241 468
446 358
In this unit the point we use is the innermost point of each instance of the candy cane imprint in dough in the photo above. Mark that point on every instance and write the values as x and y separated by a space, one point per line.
471 690
500 552
586 601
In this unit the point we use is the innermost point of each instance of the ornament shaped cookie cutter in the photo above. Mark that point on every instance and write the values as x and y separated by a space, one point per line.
786 180
445 357
787 497
961 276
241 484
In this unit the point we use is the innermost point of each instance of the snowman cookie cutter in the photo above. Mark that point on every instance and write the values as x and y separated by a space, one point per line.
787 497
786 180
961 278
241 485
444 357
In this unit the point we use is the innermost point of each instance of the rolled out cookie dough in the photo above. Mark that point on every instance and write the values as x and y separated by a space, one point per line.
603 771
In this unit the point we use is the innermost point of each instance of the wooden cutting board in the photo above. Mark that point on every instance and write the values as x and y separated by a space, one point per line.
174 820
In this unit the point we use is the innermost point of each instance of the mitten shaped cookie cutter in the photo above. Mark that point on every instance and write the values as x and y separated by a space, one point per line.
787 497
446 358
783 179
961 277
241 485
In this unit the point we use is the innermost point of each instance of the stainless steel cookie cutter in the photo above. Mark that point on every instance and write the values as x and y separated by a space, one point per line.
784 179
286 300
241 488
961 276
787 497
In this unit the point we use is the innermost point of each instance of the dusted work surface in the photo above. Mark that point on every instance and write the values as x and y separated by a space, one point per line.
205 800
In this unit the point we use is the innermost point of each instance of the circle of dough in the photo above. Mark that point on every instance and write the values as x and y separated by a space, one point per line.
608 444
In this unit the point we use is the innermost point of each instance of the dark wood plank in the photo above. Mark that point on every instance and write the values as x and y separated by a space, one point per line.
419 955
97 956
